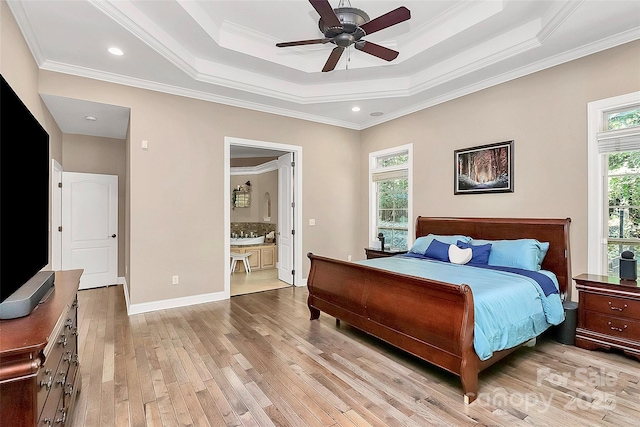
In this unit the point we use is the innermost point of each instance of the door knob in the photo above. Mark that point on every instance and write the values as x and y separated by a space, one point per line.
113 235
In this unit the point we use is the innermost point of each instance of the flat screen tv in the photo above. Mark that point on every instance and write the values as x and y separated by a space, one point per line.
24 207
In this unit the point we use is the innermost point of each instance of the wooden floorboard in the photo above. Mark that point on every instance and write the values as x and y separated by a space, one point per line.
257 360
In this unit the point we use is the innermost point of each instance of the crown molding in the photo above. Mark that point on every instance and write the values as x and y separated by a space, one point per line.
255 170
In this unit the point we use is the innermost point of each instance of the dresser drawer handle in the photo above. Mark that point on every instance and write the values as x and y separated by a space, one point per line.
63 418
617 308
613 328
47 383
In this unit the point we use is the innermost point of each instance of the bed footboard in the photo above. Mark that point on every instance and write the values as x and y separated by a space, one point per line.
429 319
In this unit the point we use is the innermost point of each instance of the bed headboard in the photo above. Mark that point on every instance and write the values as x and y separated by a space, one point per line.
554 231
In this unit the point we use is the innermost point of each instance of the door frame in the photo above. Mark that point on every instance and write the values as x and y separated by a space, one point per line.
297 178
56 215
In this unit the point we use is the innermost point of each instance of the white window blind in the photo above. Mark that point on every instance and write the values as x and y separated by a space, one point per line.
388 175
612 141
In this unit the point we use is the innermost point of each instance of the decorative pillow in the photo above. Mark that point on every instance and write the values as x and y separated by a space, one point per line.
438 250
481 253
422 243
520 253
458 255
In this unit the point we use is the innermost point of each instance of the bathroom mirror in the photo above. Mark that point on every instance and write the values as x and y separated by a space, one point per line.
241 199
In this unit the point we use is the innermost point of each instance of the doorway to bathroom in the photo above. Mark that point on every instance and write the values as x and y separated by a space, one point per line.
262 189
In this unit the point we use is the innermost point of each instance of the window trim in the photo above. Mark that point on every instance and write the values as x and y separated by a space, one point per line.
596 176
407 148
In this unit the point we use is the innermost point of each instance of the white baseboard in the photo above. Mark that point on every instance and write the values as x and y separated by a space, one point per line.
146 307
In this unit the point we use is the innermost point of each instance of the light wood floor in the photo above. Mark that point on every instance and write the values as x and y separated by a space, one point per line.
257 281
257 360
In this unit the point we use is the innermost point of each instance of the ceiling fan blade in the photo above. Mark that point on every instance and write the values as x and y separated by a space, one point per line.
377 50
336 53
326 12
394 17
303 42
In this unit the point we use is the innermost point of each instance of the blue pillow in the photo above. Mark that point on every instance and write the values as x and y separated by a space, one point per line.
520 253
480 253
544 247
422 243
438 250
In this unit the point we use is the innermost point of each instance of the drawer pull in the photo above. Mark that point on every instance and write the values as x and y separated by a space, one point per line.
63 418
69 389
63 379
613 328
63 340
47 421
613 307
48 383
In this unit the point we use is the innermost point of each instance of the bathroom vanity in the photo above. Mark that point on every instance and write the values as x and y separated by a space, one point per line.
262 256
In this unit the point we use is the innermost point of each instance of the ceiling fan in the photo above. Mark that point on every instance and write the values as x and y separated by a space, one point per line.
345 26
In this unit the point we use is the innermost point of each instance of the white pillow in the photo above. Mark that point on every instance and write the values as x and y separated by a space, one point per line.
458 255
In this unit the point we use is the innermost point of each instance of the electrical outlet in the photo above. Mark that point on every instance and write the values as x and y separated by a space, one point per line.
349 258
174 280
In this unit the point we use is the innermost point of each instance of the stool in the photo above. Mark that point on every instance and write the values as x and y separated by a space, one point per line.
236 256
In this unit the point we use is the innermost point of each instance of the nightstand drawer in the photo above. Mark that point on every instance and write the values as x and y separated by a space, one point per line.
612 306
613 326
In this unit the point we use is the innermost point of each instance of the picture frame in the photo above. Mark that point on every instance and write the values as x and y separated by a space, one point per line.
484 169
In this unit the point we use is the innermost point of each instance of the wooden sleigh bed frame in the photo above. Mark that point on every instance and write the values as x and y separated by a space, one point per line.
430 319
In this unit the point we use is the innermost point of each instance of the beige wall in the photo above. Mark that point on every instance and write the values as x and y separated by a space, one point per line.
260 184
176 186
92 154
545 113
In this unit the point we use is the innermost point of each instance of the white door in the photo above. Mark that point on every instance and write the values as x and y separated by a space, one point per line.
90 226
285 218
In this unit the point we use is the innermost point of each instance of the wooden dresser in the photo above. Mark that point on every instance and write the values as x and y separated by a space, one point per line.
608 314
39 366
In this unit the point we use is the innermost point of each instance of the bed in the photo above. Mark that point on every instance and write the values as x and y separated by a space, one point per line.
433 319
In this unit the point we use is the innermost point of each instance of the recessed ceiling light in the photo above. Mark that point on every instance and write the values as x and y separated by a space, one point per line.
90 118
116 51
376 113
355 109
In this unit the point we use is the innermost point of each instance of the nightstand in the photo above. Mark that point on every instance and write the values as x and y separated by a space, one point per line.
379 253
608 314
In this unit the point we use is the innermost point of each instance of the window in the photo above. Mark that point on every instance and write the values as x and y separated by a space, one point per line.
623 189
390 196
614 202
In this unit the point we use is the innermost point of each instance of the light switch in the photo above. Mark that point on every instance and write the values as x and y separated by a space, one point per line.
312 222
145 144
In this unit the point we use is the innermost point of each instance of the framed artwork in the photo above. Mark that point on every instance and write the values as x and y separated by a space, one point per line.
484 169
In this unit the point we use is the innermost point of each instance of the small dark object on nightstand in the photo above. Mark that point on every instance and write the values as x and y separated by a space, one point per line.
628 268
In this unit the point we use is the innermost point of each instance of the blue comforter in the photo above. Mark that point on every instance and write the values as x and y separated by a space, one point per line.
510 308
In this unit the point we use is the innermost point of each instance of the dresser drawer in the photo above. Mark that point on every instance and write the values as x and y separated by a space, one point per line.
613 326
610 305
